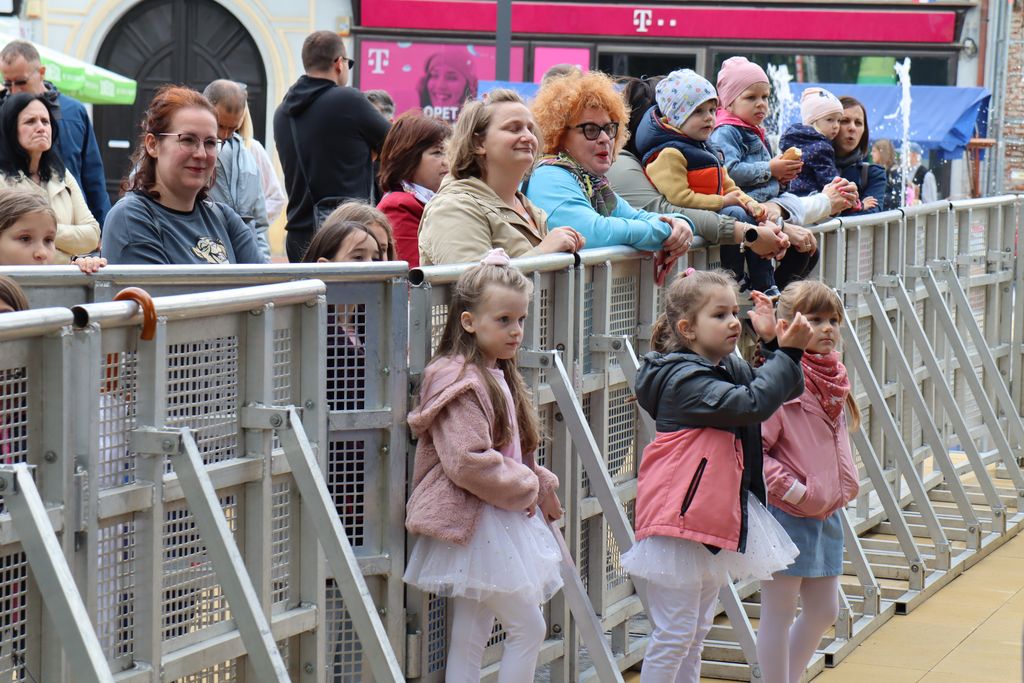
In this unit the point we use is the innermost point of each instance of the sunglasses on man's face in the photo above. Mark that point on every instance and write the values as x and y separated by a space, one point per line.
348 60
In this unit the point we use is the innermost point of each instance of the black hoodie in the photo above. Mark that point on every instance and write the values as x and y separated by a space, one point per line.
338 129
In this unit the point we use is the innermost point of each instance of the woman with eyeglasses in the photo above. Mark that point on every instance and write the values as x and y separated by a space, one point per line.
583 121
28 159
164 216
478 206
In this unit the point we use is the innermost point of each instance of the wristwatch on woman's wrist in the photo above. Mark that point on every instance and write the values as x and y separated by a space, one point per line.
749 237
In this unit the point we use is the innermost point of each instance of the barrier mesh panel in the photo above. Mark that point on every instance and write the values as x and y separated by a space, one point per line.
621 434
282 366
13 586
437 633
192 598
614 572
225 672
118 379
346 356
344 652
280 541
115 589
346 480
202 393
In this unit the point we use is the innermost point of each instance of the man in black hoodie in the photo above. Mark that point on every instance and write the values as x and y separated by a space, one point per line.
326 136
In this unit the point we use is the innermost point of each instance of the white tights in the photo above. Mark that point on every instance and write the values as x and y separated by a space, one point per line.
681 618
784 648
471 629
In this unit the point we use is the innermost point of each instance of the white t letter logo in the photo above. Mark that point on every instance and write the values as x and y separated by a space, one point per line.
378 59
641 19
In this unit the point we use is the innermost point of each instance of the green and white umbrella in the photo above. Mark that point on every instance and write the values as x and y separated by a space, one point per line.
83 81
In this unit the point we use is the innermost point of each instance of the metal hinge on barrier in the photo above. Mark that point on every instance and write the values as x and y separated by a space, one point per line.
608 343
971 260
265 417
1002 257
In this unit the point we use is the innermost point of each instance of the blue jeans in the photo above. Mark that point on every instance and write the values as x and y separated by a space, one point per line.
760 274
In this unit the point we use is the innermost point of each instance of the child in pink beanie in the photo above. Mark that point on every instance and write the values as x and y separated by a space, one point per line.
820 111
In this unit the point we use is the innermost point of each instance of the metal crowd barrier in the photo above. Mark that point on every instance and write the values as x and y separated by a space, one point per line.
933 340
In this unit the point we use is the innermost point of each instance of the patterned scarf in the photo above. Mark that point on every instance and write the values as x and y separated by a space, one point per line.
596 188
826 378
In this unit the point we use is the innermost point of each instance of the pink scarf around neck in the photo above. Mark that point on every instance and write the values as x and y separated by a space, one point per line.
723 117
826 378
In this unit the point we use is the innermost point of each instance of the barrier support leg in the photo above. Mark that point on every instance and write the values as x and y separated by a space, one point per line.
1002 393
52 574
253 625
946 396
328 529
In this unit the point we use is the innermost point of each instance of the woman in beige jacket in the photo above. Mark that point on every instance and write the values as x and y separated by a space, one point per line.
479 206
28 159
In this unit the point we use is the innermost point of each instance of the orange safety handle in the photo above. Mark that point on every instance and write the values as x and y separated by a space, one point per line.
145 302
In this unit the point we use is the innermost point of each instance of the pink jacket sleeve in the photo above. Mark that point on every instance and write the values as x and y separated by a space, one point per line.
777 477
548 482
461 435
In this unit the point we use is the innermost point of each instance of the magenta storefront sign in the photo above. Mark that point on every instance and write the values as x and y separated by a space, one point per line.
860 25
436 77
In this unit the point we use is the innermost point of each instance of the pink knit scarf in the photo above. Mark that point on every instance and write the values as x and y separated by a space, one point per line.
826 378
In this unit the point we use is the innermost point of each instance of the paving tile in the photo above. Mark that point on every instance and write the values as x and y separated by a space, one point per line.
856 672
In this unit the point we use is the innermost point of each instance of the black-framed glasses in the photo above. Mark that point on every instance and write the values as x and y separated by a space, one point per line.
21 82
348 60
190 143
592 131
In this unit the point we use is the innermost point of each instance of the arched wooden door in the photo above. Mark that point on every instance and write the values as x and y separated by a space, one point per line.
190 42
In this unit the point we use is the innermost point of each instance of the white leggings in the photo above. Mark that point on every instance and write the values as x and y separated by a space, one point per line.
471 629
681 618
784 648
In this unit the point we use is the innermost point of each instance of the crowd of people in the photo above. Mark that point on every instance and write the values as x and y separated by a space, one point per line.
592 161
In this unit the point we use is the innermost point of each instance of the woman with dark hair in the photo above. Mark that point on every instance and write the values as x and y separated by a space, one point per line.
28 128
412 165
164 215
852 148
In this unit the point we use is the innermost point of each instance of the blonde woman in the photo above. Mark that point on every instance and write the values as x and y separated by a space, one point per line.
479 206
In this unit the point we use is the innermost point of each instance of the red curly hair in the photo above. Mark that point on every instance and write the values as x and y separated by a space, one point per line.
561 101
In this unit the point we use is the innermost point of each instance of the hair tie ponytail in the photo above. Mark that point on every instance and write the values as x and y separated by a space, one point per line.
496 257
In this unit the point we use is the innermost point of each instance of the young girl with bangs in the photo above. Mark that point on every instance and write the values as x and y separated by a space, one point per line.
700 505
810 476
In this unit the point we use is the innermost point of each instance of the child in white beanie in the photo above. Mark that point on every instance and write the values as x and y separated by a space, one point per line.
820 111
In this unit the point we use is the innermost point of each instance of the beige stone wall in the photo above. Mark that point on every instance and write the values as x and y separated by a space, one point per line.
1014 110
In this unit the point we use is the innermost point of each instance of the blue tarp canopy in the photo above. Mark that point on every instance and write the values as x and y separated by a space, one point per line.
942 118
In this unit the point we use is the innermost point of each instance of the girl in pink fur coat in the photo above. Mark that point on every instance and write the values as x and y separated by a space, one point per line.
476 484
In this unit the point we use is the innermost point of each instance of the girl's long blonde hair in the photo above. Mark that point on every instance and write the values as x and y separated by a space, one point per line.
810 297
468 295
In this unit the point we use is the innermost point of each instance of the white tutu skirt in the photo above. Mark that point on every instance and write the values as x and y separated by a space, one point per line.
508 553
678 563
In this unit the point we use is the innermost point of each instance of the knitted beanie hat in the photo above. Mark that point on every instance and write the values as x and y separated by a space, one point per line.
736 75
680 93
816 103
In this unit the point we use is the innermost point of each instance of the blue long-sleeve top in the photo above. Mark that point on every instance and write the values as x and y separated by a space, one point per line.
555 190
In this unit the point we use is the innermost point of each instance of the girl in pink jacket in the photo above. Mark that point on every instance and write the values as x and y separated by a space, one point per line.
700 514
476 484
810 476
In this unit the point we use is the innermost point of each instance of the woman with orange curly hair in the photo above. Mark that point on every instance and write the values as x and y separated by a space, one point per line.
583 122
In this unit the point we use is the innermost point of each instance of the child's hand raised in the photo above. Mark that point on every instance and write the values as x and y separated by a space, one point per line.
762 316
870 202
796 334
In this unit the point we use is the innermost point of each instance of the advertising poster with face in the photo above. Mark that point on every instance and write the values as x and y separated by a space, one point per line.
439 78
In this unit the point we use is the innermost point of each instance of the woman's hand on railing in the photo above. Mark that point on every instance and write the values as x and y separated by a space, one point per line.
771 242
842 195
561 240
679 240
800 238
